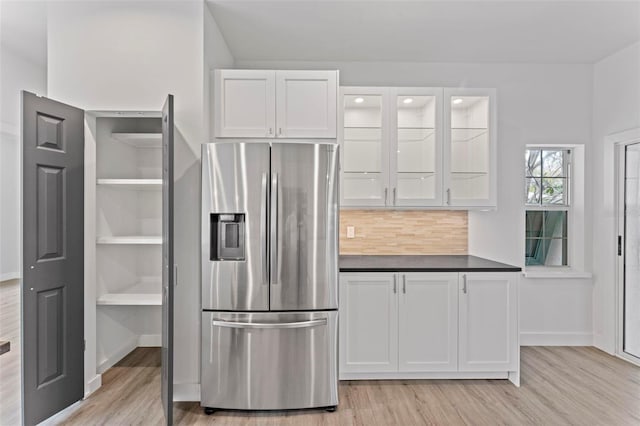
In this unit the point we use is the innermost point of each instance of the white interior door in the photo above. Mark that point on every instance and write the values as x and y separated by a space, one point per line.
631 253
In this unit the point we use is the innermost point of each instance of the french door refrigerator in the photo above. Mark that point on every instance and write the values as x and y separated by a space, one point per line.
269 276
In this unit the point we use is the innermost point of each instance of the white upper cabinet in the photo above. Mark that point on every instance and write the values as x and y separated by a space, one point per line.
418 147
306 104
275 104
364 136
245 103
488 322
470 149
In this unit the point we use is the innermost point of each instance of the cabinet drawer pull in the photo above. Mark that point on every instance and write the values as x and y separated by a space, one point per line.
404 284
395 290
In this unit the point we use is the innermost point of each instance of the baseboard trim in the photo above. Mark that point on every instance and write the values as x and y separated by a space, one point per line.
150 340
186 392
92 385
436 375
556 339
130 345
9 276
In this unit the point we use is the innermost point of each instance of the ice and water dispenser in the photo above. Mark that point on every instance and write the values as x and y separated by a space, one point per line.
227 236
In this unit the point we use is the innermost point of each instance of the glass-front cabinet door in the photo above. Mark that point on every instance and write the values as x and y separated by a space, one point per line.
364 139
416 147
470 147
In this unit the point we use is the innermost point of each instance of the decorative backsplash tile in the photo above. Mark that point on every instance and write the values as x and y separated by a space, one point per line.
404 232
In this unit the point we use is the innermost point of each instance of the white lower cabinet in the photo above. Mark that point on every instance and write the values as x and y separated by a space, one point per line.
369 322
428 322
488 322
429 325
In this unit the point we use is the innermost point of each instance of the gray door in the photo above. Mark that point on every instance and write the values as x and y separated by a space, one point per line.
167 259
304 227
235 187
53 256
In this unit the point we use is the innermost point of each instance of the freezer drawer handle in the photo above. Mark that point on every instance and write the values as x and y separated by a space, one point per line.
299 324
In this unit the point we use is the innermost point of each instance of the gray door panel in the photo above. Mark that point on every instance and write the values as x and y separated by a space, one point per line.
235 181
167 260
53 256
304 223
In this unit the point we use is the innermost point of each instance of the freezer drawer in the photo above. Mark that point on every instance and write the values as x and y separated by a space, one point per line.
269 361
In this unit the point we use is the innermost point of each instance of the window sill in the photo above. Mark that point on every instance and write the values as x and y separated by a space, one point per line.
544 273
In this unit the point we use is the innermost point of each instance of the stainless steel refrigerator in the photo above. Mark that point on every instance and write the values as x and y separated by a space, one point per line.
269 276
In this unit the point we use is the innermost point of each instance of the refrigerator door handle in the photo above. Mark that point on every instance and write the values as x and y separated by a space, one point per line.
297 324
274 229
263 230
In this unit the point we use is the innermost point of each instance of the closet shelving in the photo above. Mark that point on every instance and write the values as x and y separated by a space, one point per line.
128 192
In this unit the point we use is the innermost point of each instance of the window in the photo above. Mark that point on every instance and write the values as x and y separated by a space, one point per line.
548 195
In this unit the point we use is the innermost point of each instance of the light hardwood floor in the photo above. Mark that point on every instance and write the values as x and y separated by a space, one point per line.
10 361
560 385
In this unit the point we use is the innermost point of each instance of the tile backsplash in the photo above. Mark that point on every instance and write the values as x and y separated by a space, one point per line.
404 232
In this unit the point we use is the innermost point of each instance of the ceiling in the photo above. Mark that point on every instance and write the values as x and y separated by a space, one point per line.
427 31
23 29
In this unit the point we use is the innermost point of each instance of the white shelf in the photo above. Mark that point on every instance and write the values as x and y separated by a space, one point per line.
133 184
139 294
132 239
140 140
467 134
467 175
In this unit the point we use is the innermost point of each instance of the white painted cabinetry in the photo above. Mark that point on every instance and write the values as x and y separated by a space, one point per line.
429 325
369 321
245 103
488 305
428 322
418 147
275 104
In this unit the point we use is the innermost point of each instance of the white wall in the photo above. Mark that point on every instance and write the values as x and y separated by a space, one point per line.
17 73
109 55
616 107
537 104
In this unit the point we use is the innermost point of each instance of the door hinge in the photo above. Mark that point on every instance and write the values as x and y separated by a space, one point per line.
619 245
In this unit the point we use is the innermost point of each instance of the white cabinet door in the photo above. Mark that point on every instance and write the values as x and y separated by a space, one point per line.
470 129
488 322
428 323
415 149
364 140
245 103
368 322
306 105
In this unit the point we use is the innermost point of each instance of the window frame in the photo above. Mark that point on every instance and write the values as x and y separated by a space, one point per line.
568 153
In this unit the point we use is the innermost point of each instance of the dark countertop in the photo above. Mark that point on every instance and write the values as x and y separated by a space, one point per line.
421 263
5 346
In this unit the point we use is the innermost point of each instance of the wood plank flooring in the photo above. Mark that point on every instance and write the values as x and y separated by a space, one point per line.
560 385
10 361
